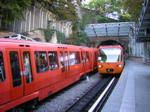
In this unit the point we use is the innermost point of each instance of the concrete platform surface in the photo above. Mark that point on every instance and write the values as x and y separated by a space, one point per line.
132 92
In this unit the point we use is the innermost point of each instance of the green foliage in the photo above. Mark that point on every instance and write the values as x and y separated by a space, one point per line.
60 37
78 35
85 20
82 37
12 9
104 19
48 33
123 7
133 7
80 26
126 18
105 6
63 9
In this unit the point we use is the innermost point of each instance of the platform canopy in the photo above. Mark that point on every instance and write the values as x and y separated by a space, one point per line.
109 29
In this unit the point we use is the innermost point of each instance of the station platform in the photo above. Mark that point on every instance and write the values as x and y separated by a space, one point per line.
132 92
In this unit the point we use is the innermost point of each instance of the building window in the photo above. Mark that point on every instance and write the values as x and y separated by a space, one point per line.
15 68
53 60
2 69
41 61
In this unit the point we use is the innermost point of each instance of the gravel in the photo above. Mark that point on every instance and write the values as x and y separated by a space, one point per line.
65 98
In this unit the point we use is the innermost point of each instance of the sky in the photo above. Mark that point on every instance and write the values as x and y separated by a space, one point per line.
85 1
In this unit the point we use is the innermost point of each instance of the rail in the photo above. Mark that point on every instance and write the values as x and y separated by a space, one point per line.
95 98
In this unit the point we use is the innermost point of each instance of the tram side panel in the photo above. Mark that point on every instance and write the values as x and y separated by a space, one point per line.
29 73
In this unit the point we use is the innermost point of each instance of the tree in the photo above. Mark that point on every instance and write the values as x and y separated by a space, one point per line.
104 7
12 9
63 9
133 7
78 35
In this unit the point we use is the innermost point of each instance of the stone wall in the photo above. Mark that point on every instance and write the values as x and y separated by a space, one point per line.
135 49
62 26
35 18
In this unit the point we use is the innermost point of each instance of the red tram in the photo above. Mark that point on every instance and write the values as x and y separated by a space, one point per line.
34 70
110 60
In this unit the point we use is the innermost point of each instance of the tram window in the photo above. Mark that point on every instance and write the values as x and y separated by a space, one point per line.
2 70
62 61
110 55
41 61
27 67
66 59
78 57
74 58
87 56
53 60
15 68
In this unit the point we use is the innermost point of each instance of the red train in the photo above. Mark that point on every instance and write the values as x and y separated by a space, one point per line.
110 60
33 70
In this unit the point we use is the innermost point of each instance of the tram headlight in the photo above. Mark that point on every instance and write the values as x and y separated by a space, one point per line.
120 66
100 66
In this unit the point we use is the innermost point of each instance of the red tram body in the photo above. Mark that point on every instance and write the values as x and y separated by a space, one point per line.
34 70
110 60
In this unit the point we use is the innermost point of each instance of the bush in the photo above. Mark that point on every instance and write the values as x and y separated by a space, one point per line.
48 33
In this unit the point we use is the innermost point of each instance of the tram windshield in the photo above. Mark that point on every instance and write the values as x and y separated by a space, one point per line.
110 55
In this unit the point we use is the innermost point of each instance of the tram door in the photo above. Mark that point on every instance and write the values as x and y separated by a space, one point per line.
14 65
21 72
88 62
64 61
83 60
27 73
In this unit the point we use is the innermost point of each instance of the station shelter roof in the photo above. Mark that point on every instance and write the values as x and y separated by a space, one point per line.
109 29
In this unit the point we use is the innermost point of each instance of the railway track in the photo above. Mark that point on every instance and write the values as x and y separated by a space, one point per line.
95 98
